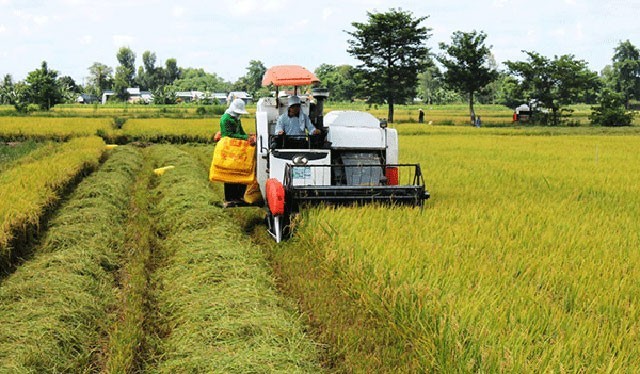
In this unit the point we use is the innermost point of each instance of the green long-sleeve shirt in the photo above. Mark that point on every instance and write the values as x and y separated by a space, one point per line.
230 126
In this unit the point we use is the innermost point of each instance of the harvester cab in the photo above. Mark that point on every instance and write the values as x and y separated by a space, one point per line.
354 158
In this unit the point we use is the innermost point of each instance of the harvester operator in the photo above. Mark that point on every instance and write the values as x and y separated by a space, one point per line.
230 126
294 121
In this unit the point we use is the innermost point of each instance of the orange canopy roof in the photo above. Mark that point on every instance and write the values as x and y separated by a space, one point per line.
288 75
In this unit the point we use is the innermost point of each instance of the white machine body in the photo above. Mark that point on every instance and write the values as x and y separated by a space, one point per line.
347 131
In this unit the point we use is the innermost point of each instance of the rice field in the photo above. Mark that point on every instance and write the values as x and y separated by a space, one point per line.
143 273
525 259
33 186
47 128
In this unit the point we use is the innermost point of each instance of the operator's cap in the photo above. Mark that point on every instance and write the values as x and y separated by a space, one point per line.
294 100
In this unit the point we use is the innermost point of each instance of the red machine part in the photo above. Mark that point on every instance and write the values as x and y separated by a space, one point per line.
392 176
275 196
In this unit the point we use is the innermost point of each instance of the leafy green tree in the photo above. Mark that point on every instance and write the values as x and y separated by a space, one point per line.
489 93
553 83
69 84
150 76
433 90
164 95
467 60
252 81
392 51
100 79
69 89
607 77
339 80
125 72
43 88
611 111
171 71
7 94
22 97
626 71
509 92
199 80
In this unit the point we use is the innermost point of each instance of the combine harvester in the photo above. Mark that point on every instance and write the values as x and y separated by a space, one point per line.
354 159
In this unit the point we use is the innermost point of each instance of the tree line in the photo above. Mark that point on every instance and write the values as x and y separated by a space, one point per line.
396 67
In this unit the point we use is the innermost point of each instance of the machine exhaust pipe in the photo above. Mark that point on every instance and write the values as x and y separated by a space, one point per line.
320 94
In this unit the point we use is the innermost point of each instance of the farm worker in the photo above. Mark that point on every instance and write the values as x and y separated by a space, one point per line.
420 116
230 122
478 121
230 126
294 121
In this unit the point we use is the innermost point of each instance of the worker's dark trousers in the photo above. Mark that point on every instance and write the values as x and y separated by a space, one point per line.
234 191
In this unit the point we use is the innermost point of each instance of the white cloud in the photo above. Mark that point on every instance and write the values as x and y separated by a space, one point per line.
559 32
257 7
579 31
326 13
38 20
268 42
570 2
122 40
2 29
86 40
500 3
177 11
301 24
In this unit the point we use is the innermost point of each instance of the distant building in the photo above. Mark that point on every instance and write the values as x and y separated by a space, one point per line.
137 96
191 96
134 93
221 97
239 95
86 99
106 94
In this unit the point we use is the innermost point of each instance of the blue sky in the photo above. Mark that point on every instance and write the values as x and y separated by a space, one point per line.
222 37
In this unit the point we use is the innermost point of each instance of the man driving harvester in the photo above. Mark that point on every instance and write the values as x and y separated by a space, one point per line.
294 121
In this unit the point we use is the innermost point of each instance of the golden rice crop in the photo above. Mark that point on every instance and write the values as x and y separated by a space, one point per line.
150 128
172 130
525 259
28 189
41 128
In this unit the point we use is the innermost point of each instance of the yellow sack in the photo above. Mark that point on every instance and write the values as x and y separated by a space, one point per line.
233 161
252 193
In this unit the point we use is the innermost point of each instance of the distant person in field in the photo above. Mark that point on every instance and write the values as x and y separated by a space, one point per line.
294 121
420 116
230 126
